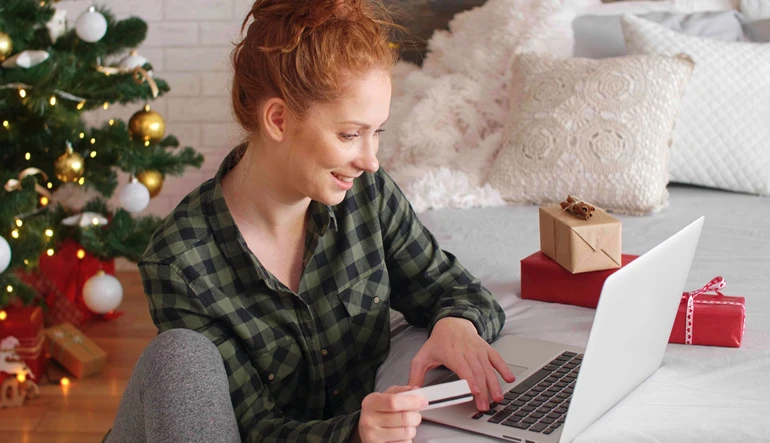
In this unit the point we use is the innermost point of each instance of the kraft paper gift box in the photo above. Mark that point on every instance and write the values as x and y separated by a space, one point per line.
580 245
73 350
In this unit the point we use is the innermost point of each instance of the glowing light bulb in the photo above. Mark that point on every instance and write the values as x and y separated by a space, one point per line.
93 140
81 254
9 288
27 156
22 93
3 315
82 135
95 221
106 105
15 233
22 377
49 252
64 381
6 124
93 154
19 223
81 181
80 105
44 201
112 121
50 185
53 100
49 232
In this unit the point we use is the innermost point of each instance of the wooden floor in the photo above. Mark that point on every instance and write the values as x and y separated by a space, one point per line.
85 410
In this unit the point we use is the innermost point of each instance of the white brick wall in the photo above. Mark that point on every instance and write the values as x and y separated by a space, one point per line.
188 43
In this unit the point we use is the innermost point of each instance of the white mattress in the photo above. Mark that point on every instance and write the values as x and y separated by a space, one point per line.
700 394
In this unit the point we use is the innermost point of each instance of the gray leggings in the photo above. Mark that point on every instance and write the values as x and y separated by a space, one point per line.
178 392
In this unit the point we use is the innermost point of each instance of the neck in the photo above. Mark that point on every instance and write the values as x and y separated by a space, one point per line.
259 195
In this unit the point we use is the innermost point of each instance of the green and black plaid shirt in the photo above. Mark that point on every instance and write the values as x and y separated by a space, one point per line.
300 364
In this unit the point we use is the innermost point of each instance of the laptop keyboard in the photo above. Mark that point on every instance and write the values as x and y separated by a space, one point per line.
539 403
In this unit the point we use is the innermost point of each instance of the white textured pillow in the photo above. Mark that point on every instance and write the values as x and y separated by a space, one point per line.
596 129
722 137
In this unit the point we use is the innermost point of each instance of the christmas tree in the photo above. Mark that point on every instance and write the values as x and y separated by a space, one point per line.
50 76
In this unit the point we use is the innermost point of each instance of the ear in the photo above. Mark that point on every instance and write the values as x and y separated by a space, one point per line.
273 118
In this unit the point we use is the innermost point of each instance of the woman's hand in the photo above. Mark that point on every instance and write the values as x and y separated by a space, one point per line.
455 343
387 417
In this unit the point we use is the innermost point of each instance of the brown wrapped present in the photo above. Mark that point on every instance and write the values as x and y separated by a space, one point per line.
73 350
579 244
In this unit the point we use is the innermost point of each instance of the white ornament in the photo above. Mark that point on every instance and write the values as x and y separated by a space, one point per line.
91 26
5 254
102 293
85 219
134 60
26 59
134 197
57 26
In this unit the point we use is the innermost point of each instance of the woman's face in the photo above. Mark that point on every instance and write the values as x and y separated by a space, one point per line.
338 141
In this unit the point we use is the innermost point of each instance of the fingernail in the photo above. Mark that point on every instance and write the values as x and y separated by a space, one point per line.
475 389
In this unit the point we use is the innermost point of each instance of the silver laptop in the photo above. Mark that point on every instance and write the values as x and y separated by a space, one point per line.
560 390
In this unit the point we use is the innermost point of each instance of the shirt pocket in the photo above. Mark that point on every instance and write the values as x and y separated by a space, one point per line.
367 303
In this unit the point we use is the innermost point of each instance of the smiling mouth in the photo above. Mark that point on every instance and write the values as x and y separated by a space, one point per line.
343 178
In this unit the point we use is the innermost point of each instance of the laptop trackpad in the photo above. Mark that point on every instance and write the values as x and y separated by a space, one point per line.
516 370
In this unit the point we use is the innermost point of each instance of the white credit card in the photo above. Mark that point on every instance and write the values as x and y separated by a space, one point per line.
444 394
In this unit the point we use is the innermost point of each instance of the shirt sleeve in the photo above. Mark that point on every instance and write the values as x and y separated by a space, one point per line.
427 283
173 304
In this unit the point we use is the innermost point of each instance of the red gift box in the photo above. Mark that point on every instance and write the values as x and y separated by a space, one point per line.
710 320
26 324
545 280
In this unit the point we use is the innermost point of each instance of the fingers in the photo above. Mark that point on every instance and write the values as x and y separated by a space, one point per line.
394 403
492 383
399 389
500 366
479 380
399 419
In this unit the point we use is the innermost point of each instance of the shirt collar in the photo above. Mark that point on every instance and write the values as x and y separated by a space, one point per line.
223 225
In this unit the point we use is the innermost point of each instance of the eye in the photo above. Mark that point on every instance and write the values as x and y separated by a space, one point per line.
348 136
378 132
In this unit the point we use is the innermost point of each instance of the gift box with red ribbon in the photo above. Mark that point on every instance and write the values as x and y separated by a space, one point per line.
26 325
709 318
545 280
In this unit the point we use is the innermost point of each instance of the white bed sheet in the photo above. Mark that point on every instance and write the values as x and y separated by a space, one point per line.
700 394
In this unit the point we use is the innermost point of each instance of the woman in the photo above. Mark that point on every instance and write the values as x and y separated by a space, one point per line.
290 258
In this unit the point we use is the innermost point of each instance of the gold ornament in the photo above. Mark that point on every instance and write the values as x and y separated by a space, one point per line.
152 180
147 125
6 45
69 166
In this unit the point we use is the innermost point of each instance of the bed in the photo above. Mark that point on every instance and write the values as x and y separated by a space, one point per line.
700 394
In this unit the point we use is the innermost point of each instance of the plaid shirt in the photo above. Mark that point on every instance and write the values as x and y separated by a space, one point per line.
300 364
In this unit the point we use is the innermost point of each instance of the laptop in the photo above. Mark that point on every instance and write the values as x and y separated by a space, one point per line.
561 390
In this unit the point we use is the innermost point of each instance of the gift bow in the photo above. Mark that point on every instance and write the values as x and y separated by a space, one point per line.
714 286
139 73
15 184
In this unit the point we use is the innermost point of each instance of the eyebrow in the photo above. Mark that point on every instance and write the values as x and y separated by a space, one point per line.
362 124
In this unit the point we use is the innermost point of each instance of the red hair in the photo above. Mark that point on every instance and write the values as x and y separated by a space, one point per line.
302 50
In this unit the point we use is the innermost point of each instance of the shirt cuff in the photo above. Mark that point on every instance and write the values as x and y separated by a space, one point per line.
466 311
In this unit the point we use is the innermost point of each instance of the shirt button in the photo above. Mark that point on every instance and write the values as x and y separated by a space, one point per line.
336 392
271 377
376 300
324 352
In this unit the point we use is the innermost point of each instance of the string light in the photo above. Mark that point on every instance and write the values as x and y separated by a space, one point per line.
49 232
27 156
64 381
50 185
6 124
82 135
9 288
147 143
3 315
93 154
49 252
106 105
81 181
22 377
95 221
22 93
19 223
44 201
15 233
81 254
81 104
53 100
93 140
26 262
112 121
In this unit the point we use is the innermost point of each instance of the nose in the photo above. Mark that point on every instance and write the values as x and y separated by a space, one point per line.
367 161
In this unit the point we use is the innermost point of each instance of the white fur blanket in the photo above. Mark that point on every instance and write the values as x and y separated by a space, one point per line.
446 118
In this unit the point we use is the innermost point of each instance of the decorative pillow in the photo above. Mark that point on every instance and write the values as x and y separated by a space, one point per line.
722 137
601 36
758 31
596 129
755 9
